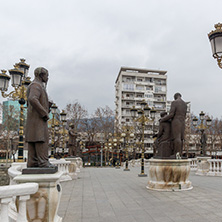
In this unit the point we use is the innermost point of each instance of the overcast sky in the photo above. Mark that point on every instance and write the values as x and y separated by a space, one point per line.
84 43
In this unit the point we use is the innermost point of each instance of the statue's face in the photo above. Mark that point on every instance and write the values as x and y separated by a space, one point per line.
45 76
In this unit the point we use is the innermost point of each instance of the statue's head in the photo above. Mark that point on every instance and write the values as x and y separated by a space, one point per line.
42 74
177 95
162 114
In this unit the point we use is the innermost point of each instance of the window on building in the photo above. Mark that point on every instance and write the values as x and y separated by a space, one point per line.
140 87
139 95
150 103
147 79
149 88
127 86
149 95
158 89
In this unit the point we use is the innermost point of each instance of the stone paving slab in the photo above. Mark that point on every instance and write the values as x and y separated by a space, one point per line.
114 195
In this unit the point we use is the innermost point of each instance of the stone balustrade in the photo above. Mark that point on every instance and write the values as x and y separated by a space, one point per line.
63 166
15 170
215 167
193 164
8 195
146 162
137 162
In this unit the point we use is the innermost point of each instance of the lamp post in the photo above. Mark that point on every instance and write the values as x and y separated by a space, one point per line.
53 110
116 144
110 146
101 153
142 116
127 135
106 154
20 82
63 119
204 123
215 38
153 115
57 135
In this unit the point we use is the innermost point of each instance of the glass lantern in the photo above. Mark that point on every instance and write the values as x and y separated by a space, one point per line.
54 108
209 121
4 81
202 114
195 120
16 75
63 116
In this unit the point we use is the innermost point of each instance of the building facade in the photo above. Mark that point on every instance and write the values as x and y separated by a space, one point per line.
132 86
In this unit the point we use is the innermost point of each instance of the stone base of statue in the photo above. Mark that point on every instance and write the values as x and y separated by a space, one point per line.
169 175
43 205
203 166
77 161
40 170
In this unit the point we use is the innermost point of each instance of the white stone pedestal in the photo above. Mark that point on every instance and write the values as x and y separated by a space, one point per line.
77 161
43 205
169 175
72 167
203 166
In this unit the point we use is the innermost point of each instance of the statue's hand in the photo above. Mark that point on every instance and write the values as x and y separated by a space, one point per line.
45 118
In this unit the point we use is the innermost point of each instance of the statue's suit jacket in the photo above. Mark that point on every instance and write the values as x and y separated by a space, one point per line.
177 114
72 137
164 133
38 107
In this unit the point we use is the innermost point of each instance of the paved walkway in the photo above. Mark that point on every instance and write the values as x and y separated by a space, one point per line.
111 195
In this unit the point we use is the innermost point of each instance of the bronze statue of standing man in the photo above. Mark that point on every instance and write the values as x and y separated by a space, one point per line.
177 115
72 140
37 120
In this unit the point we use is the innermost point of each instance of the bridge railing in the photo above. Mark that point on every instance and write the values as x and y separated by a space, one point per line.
8 195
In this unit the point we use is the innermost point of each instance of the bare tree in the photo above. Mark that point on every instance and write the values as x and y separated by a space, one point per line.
75 113
105 120
10 126
90 127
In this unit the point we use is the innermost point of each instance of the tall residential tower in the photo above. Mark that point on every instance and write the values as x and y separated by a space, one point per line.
133 85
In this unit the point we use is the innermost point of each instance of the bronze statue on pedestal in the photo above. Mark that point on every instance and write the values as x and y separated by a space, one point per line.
36 134
170 138
72 140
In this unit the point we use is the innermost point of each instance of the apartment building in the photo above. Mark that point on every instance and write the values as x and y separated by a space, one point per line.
133 85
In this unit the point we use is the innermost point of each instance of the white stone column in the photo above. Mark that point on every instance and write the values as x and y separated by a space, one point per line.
22 217
43 205
203 166
4 209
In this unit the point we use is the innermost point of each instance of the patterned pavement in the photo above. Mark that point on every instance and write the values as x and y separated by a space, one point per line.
114 195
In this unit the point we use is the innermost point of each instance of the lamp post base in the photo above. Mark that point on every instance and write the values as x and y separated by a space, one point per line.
126 170
142 175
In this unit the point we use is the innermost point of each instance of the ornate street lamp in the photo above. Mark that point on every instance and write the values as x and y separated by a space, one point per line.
53 110
127 135
201 127
19 81
63 119
215 38
57 135
153 116
143 116
116 144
